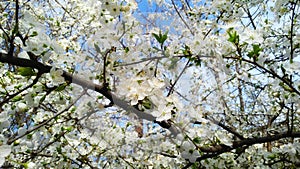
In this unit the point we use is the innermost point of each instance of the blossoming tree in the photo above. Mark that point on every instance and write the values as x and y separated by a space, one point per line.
109 84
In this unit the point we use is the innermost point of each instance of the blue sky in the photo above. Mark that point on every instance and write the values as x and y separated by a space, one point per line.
143 5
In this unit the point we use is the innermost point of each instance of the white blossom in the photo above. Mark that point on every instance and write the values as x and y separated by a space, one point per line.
56 75
5 151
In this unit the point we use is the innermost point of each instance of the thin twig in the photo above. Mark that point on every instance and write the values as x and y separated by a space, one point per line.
271 72
249 16
46 121
20 91
182 18
292 30
181 73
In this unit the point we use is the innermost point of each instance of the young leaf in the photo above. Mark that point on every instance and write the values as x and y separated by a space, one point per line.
97 48
255 52
61 87
197 140
16 98
256 49
26 71
34 33
233 36
126 49
161 38
156 37
164 37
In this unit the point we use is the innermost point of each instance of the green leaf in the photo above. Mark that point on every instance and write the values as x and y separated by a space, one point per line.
164 37
233 36
157 37
59 149
187 51
26 71
69 129
57 23
256 48
147 104
34 33
285 87
161 38
43 98
61 87
15 30
16 98
271 156
97 48
126 49
197 140
195 165
29 136
255 51
128 124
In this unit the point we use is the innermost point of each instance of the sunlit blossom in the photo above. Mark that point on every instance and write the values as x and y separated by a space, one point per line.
56 75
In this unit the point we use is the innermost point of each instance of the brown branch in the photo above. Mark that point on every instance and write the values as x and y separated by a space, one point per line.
15 30
214 151
250 16
227 128
5 58
88 85
105 55
167 155
269 71
292 30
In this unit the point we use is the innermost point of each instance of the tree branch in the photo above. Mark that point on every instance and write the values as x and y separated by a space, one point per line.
88 85
219 149
269 71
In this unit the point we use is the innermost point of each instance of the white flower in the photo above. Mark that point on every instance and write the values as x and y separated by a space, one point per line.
31 165
3 116
30 99
156 98
72 139
22 130
224 138
112 7
4 122
251 36
21 107
292 67
189 152
23 55
135 90
56 75
5 151
155 83
163 112
133 4
289 148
